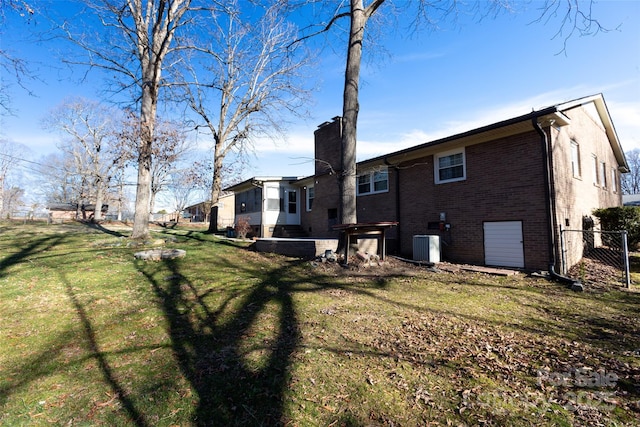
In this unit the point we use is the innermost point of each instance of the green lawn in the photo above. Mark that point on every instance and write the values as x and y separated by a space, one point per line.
227 336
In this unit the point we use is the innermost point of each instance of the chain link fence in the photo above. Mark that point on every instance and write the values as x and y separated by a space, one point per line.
596 258
25 215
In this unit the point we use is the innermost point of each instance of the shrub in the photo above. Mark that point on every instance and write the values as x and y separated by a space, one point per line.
621 218
242 227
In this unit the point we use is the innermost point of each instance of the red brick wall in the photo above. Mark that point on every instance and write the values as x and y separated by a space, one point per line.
328 147
381 207
504 182
316 222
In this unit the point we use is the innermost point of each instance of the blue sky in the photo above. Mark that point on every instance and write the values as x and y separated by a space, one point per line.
425 86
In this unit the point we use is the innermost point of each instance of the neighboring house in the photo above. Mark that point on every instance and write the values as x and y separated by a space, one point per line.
69 211
200 212
496 195
271 205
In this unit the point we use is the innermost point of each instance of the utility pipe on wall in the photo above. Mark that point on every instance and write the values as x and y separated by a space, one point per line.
550 202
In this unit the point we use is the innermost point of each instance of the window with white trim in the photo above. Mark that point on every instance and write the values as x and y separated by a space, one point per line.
614 180
595 170
575 159
373 182
274 201
311 194
450 166
603 175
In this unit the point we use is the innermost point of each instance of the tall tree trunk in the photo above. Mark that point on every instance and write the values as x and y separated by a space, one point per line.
143 190
153 37
216 189
348 213
97 210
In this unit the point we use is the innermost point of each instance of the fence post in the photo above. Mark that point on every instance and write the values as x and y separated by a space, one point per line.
625 254
563 257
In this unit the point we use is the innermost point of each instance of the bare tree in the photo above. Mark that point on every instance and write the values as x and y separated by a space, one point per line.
59 181
574 16
10 154
247 83
89 128
169 148
142 38
630 182
12 200
184 185
11 64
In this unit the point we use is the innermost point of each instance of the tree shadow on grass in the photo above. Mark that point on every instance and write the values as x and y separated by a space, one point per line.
99 227
240 378
53 361
35 246
107 371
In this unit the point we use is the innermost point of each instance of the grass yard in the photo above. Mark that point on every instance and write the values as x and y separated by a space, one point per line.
227 336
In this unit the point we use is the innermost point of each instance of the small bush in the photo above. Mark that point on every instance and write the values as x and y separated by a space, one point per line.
621 218
242 227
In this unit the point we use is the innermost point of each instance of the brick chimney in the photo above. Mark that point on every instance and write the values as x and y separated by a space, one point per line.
328 147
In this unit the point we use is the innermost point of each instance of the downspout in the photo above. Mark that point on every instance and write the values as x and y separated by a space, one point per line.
550 201
398 229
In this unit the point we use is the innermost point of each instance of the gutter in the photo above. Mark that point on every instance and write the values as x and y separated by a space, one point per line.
398 232
550 201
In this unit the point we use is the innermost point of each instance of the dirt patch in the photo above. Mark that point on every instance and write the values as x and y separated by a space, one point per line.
357 267
393 266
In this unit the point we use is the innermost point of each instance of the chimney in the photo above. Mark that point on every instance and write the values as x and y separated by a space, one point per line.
328 146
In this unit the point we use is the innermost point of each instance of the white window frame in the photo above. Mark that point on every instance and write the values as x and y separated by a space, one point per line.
436 166
614 180
595 166
311 190
273 198
575 159
371 175
603 175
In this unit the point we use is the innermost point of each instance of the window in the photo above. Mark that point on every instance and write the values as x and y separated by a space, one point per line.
575 159
249 201
311 193
364 184
595 171
614 180
273 199
293 202
373 182
450 167
603 175
380 181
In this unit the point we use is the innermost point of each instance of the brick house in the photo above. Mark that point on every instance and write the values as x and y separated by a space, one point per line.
495 195
61 212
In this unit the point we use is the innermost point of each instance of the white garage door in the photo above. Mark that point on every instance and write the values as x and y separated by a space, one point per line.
503 244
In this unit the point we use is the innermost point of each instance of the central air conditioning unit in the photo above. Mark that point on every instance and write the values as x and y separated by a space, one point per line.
426 248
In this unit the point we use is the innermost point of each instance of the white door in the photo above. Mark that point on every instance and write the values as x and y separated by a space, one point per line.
291 207
503 244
